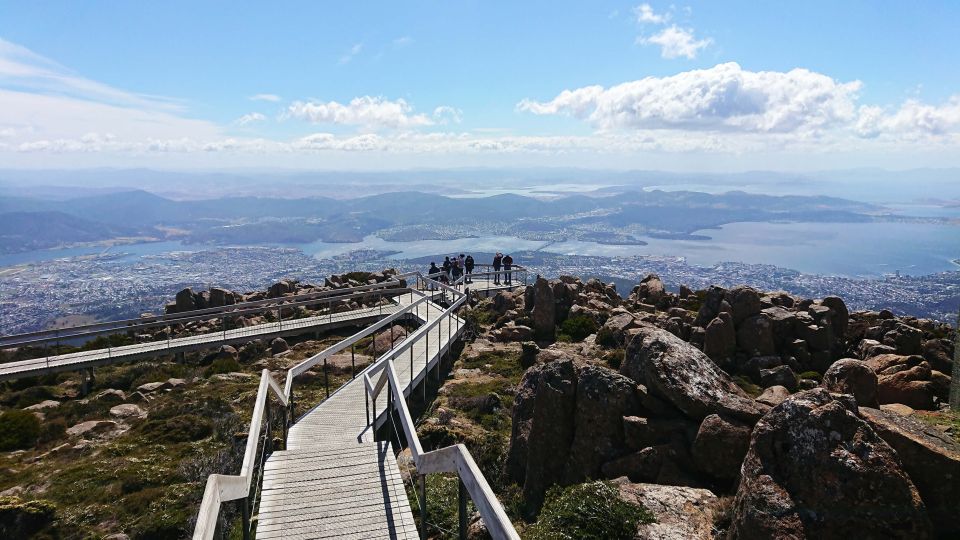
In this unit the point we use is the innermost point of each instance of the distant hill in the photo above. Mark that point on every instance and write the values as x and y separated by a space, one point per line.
25 231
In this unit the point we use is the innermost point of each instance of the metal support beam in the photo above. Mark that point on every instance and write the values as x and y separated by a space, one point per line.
462 509
422 479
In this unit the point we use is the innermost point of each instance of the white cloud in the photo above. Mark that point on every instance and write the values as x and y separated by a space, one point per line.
675 42
722 98
273 98
447 115
367 112
350 54
914 120
402 41
645 14
249 118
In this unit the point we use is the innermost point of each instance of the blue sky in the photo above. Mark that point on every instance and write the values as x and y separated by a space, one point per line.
682 86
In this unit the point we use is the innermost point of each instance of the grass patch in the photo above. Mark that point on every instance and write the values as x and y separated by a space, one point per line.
442 505
944 420
590 511
748 386
812 375
506 365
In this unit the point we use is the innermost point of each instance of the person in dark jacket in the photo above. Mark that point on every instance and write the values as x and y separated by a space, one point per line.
433 274
497 261
446 269
468 266
507 264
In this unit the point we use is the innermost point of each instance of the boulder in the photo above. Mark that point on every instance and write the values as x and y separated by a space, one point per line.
854 377
111 394
616 327
45 404
90 427
710 308
552 388
221 297
931 458
153 387
544 311
641 466
185 301
682 513
279 345
720 446
651 290
720 338
779 376
840 315
503 302
744 301
682 375
127 410
905 339
774 396
386 339
604 397
815 469
755 335
512 332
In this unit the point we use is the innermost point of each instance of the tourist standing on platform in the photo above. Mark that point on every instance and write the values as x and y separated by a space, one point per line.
433 274
497 261
468 266
507 264
446 269
457 269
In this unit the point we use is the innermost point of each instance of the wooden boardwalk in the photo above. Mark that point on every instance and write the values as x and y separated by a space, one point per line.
334 480
87 359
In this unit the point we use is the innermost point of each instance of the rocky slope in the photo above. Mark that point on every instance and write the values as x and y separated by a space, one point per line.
807 420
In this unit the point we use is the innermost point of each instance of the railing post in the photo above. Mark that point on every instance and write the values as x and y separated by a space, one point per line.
462 509
353 361
245 513
423 506
326 378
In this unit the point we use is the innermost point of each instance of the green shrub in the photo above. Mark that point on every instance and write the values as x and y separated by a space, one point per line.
578 327
52 429
442 507
222 365
614 358
593 510
606 337
814 375
23 519
184 428
18 430
34 395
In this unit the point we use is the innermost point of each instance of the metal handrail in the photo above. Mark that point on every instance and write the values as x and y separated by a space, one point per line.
127 325
222 488
451 459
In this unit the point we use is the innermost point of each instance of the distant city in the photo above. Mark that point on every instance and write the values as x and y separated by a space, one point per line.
102 287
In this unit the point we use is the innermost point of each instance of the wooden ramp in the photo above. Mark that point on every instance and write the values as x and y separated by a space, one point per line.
334 480
126 353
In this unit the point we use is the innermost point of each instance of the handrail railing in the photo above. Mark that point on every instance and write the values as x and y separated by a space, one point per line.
127 325
222 488
453 459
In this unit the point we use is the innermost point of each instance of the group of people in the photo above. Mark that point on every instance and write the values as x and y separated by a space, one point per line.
454 268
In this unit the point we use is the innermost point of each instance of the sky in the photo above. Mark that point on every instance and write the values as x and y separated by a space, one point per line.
696 86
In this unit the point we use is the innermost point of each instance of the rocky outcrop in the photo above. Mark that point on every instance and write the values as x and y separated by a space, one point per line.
544 310
682 513
932 460
720 339
815 469
682 375
543 428
604 397
854 377
909 380
720 446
